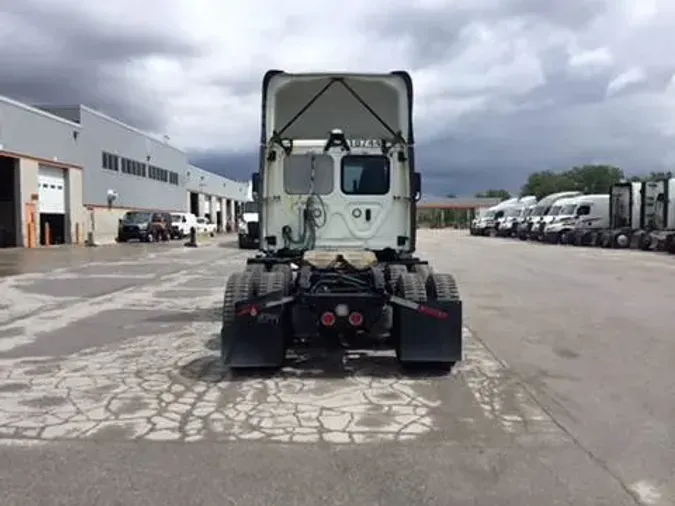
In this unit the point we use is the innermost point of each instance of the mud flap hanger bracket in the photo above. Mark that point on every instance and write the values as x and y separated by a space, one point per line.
256 306
287 144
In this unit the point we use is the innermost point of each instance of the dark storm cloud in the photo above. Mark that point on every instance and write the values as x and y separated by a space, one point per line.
437 34
60 56
237 166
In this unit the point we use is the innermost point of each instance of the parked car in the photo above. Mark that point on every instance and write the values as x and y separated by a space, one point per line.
204 226
133 225
181 223
144 226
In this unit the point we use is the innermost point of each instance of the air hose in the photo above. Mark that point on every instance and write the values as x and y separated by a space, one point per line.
312 217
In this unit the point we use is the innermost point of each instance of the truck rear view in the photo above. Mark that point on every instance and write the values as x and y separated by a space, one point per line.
337 192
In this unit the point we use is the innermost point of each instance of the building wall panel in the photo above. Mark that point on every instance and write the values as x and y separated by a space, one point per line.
31 132
103 134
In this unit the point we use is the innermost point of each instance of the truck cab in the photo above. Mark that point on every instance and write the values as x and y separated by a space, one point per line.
248 227
556 231
625 212
541 214
333 175
591 216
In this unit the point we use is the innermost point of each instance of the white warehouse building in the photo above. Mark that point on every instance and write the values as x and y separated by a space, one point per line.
79 171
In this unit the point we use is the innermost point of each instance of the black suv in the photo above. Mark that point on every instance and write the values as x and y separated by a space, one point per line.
145 226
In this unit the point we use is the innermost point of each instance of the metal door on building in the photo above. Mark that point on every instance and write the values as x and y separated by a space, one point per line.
52 190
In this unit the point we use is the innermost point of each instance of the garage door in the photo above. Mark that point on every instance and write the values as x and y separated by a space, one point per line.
52 184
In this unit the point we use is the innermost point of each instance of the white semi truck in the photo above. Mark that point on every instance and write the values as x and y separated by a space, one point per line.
248 224
337 192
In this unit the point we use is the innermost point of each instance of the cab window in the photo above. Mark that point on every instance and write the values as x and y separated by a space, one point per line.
365 175
584 210
304 174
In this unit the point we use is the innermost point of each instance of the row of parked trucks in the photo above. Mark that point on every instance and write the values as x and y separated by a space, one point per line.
633 214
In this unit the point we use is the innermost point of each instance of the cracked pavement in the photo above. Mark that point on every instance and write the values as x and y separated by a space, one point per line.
111 391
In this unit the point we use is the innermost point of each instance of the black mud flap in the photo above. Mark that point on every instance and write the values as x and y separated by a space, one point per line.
428 337
257 334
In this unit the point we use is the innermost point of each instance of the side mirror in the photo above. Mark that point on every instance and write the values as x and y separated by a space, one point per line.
417 186
255 183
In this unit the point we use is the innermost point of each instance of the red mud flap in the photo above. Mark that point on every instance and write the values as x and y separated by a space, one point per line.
428 332
258 334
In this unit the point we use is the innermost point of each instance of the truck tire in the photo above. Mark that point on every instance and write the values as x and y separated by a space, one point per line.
239 286
442 287
394 272
273 281
410 287
256 271
286 270
423 271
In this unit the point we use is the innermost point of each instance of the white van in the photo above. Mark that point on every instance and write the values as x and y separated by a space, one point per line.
181 223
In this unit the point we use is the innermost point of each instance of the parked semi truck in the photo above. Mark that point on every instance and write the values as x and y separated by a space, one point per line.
541 215
557 230
507 224
591 216
658 215
625 210
337 191
491 218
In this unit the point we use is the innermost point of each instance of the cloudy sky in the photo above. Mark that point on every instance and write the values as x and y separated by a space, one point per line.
503 87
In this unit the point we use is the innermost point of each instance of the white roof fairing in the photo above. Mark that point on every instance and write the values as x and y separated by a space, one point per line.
310 106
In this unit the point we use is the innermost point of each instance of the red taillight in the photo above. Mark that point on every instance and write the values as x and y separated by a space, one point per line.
356 319
328 319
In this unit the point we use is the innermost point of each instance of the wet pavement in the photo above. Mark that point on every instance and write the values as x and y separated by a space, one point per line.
15 261
111 391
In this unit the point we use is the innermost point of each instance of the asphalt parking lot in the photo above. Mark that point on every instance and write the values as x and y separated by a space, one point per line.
111 393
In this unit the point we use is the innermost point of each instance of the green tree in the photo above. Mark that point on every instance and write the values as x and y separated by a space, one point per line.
546 182
595 178
494 194
584 178
653 176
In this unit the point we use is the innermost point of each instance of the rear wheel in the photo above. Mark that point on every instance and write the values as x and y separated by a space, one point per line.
442 288
239 286
410 287
393 273
423 271
287 272
256 271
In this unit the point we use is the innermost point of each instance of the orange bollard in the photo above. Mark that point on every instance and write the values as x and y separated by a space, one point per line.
77 234
48 235
33 235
